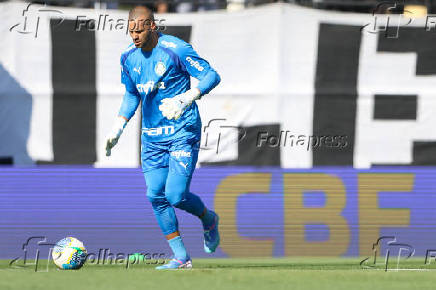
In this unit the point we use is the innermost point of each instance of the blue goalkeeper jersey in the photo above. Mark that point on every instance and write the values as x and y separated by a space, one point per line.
163 73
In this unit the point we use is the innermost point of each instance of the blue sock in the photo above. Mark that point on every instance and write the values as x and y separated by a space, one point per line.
178 248
208 219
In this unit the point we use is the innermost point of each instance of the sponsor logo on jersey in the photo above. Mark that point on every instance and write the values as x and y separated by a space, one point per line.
168 44
138 70
166 130
194 63
185 165
181 153
160 68
149 86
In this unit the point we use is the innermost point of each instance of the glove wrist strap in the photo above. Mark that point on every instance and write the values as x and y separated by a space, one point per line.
191 95
119 125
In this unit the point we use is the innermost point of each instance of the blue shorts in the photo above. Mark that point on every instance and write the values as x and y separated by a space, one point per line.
180 155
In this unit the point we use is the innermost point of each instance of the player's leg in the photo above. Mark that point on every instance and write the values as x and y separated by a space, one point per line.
178 194
183 158
166 217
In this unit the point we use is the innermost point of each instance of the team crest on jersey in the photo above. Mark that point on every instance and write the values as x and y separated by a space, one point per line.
160 68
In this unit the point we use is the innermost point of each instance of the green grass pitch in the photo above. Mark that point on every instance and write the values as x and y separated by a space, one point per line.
208 274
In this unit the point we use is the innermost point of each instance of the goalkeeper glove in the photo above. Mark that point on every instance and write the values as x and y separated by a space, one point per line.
173 108
114 135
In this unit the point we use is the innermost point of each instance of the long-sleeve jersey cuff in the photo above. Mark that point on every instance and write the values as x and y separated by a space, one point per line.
208 82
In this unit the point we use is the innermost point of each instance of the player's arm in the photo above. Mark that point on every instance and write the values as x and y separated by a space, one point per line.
128 108
200 69
197 67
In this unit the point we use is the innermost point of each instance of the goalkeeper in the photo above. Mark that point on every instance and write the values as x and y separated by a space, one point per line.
156 70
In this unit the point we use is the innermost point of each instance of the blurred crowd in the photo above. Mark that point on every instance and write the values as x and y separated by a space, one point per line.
184 6
162 6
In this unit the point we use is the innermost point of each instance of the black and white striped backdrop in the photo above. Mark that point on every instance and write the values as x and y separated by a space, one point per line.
300 87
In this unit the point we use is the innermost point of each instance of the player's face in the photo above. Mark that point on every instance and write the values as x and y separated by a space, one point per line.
140 30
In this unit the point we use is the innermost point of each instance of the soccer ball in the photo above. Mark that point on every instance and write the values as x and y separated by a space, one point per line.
69 254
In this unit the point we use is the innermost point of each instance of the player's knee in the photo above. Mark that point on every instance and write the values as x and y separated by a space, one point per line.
155 184
175 197
175 201
158 203
153 194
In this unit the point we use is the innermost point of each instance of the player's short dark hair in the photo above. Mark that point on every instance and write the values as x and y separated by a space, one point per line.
141 10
